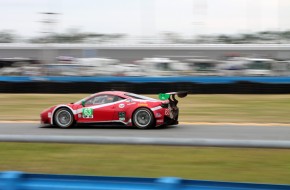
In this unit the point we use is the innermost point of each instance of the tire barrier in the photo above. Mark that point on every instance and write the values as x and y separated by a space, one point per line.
144 88
145 85
13 180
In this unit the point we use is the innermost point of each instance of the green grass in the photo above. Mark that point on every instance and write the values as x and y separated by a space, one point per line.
194 108
225 164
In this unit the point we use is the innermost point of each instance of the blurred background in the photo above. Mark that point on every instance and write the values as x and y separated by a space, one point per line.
57 51
144 38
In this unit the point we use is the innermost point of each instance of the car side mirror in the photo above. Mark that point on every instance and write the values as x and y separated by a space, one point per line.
83 103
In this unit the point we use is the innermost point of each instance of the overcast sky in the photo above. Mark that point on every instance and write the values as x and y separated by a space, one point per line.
147 17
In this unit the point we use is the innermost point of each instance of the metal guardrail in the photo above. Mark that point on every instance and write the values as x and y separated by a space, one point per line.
12 180
148 141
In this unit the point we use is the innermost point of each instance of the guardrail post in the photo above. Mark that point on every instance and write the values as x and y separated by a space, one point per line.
169 183
10 180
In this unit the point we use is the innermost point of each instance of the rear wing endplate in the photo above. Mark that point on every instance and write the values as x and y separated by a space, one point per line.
166 96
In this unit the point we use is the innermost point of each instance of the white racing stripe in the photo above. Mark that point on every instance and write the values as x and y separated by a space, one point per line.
144 101
156 108
80 110
96 107
99 106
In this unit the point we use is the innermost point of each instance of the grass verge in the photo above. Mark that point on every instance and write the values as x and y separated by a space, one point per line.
225 164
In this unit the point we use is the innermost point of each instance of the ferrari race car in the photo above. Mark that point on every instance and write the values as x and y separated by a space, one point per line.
116 107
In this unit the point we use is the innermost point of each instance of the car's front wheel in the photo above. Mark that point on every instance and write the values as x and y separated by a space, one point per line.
63 118
143 118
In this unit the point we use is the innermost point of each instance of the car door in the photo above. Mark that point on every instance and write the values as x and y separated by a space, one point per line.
99 108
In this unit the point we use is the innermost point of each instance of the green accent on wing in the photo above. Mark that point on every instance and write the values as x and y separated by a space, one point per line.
163 96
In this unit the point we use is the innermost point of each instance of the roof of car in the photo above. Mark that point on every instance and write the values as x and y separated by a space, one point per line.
123 94
113 92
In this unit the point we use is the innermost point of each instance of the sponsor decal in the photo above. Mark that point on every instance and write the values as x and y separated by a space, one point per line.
121 105
142 104
49 115
122 116
87 113
159 120
79 115
167 112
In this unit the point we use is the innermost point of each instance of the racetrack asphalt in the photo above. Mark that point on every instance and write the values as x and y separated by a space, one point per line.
212 131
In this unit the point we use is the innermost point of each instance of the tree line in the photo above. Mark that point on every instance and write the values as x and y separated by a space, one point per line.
76 36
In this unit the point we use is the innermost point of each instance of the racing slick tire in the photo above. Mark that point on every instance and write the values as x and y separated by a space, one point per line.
143 118
63 118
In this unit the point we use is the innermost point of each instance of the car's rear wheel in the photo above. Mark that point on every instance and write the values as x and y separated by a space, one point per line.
63 118
143 118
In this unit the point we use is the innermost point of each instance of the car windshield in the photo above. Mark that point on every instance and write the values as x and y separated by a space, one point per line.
136 96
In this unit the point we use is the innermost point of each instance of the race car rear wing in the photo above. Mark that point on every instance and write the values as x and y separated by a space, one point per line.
171 97
168 95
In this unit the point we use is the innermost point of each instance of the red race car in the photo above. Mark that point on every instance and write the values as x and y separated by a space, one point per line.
116 107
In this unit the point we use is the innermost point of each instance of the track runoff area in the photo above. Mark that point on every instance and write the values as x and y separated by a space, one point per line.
252 135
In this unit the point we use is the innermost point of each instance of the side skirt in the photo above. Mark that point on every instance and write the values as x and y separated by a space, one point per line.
107 123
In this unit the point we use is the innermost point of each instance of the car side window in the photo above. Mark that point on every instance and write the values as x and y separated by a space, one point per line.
117 98
102 99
